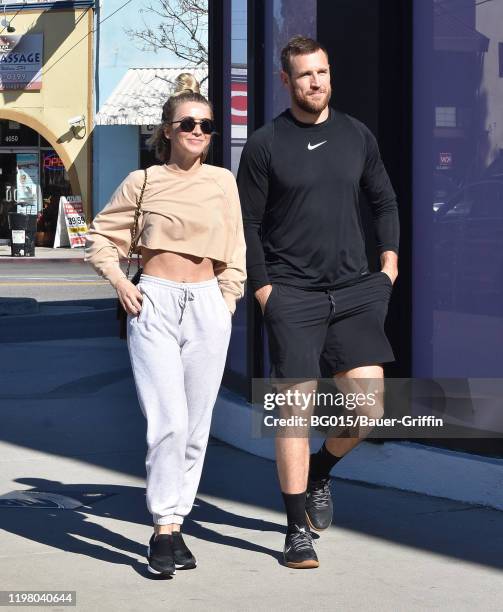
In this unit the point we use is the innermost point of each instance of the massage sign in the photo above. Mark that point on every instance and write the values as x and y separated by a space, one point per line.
21 62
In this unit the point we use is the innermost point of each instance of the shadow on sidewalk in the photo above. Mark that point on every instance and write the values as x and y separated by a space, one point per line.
73 530
453 529
69 409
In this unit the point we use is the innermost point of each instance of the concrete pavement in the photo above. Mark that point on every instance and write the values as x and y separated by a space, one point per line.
70 425
43 253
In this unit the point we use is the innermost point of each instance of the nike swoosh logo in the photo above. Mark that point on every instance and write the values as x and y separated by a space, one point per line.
310 147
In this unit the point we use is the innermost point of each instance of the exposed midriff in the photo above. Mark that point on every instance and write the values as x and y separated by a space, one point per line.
177 267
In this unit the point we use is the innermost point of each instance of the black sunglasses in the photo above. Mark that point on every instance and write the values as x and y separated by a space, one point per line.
187 124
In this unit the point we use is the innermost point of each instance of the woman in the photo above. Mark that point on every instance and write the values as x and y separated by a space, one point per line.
179 315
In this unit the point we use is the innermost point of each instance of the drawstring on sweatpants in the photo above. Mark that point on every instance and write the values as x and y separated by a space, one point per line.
187 296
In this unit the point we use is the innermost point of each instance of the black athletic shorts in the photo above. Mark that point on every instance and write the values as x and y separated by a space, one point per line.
325 332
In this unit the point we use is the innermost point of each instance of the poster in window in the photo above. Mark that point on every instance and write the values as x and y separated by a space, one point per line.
27 180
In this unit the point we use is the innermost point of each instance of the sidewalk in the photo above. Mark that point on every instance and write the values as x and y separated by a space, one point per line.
386 551
75 429
44 254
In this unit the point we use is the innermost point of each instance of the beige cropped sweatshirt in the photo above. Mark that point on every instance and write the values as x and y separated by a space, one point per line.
195 213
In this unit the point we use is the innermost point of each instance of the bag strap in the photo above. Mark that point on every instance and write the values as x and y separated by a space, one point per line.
134 229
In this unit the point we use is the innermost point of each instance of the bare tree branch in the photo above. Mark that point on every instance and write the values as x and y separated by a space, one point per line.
182 29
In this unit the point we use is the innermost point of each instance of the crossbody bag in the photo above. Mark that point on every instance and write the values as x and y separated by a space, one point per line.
121 312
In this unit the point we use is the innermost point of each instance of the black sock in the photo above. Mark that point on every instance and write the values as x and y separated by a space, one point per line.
295 504
321 463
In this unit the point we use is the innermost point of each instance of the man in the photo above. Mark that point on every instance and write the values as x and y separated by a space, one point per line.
299 181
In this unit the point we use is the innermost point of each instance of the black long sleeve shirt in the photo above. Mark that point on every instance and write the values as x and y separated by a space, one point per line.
299 186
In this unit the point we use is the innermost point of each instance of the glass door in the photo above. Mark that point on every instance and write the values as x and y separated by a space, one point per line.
19 184
54 183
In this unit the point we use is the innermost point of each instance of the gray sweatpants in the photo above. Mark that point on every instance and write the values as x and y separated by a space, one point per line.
178 346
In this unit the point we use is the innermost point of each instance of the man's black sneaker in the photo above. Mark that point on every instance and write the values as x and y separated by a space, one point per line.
161 556
299 551
184 559
319 506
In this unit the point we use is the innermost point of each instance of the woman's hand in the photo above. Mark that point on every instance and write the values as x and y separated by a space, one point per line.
129 296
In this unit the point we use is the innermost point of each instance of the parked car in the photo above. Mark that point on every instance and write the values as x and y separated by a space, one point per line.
443 188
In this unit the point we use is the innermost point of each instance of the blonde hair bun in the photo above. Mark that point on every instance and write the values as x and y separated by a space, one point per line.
186 82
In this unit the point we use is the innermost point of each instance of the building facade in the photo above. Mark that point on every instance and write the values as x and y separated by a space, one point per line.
426 77
46 111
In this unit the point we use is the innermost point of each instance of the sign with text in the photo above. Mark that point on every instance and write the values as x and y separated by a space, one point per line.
21 61
51 161
14 134
444 161
71 228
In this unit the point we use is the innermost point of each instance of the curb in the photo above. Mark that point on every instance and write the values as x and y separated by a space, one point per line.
408 466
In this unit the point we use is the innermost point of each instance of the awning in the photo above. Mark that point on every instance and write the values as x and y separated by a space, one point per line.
139 97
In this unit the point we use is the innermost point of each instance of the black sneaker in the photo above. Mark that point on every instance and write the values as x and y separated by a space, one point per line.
160 555
299 552
184 559
319 506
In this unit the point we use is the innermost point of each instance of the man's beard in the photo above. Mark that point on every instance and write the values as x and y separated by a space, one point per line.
310 105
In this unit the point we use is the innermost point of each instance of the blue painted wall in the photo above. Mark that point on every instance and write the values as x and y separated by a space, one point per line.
116 154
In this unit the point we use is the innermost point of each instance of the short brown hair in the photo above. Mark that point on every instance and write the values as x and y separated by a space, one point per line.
186 90
299 45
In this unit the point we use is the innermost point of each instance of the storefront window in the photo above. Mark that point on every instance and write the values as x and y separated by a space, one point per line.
236 370
458 189
32 177
276 21
285 18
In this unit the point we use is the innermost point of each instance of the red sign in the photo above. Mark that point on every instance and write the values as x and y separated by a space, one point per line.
52 162
239 103
75 220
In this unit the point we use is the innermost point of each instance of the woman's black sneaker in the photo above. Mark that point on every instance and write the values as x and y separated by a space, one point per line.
184 559
299 551
161 556
319 506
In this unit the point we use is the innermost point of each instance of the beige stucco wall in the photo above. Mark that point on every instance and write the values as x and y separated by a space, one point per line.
66 89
